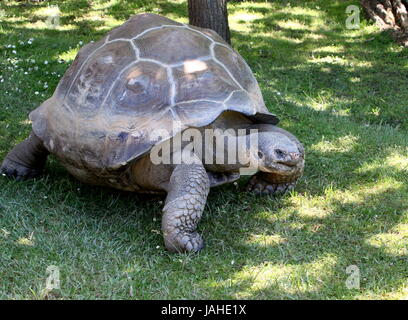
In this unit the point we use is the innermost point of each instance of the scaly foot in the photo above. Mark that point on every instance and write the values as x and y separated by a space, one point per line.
15 170
258 185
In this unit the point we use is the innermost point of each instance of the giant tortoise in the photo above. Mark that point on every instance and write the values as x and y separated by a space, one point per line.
129 95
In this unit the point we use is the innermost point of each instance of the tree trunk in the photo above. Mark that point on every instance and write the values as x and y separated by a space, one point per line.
389 15
211 14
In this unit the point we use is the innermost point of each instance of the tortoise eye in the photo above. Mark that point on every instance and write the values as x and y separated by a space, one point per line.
260 155
280 153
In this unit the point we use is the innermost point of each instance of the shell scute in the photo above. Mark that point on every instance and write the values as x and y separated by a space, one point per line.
141 89
138 24
240 71
87 90
172 45
203 80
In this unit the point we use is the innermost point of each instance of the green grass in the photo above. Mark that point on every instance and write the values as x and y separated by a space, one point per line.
342 92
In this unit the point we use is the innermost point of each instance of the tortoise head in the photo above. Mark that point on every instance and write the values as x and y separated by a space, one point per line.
277 152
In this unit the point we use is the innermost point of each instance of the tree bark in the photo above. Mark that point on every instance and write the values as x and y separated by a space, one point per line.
389 15
211 14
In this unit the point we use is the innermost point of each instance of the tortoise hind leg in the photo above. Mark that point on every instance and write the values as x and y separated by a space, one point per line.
26 160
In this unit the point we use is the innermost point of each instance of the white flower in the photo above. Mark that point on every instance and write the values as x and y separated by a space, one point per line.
36 92
14 51
80 43
45 62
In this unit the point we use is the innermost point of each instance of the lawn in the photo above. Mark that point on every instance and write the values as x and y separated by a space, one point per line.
342 92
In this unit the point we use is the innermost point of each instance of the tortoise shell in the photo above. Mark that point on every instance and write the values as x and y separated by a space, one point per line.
149 73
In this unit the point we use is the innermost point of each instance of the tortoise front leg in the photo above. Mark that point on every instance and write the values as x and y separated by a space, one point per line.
25 160
187 194
270 183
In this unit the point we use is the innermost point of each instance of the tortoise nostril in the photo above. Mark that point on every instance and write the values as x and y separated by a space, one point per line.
294 155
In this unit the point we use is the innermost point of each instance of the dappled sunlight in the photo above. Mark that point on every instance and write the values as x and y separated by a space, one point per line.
336 60
316 36
329 59
395 160
393 242
288 280
291 10
342 144
46 12
103 5
312 208
241 21
355 79
283 36
101 23
43 25
322 206
245 16
398 294
67 55
329 49
264 240
359 194
25 241
26 122
292 24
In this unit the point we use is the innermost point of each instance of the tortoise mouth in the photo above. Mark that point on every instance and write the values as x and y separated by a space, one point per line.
279 177
287 164
280 167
